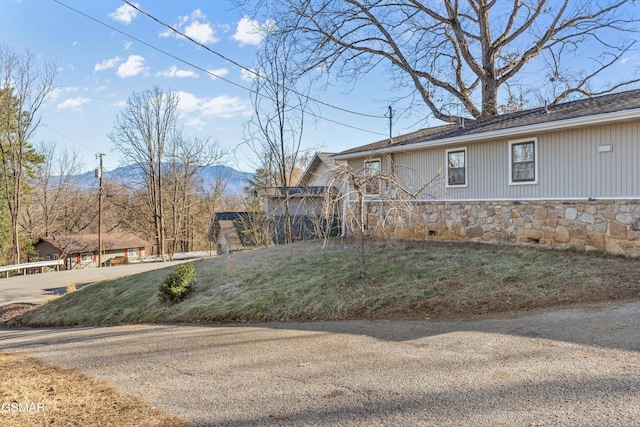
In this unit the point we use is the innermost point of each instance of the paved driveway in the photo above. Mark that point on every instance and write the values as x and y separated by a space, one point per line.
38 288
577 367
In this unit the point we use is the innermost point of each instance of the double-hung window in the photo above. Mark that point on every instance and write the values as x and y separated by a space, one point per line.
523 168
457 167
371 171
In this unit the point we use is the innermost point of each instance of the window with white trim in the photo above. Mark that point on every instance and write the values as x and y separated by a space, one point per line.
86 257
523 168
457 167
371 170
132 252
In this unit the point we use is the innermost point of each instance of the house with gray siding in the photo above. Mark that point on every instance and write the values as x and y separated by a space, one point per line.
307 199
566 175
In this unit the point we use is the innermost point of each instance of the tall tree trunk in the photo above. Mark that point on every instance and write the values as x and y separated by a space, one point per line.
161 209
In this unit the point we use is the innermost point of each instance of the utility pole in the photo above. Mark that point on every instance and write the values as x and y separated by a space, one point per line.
99 175
390 124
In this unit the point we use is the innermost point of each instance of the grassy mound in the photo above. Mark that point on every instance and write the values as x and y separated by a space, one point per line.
309 281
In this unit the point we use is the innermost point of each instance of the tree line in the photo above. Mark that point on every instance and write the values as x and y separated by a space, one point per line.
166 201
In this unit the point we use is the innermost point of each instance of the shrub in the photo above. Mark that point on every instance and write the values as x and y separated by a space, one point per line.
178 284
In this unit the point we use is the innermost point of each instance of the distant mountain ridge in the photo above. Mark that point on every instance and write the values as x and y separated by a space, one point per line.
235 180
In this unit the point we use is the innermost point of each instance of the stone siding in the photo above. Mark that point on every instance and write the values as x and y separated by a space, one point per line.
612 226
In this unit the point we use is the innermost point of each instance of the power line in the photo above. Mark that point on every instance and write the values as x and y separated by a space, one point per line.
209 72
237 64
68 138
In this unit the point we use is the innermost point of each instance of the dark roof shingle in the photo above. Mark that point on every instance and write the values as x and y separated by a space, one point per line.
605 104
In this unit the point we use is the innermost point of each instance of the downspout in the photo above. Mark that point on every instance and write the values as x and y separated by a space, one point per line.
344 208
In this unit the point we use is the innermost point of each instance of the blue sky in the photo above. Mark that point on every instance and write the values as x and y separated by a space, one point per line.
99 68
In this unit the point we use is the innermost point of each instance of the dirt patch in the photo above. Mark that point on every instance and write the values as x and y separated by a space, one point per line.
34 393
9 311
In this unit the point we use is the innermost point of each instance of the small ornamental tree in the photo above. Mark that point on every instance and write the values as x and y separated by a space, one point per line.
178 284
396 189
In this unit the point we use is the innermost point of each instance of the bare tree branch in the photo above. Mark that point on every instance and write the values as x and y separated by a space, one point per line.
465 52
24 87
394 186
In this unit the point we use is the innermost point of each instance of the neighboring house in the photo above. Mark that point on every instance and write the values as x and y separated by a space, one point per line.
307 202
320 172
81 250
226 231
563 176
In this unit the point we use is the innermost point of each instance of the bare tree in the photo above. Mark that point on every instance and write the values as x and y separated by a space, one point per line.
275 132
127 208
457 55
395 190
141 133
54 181
188 156
24 87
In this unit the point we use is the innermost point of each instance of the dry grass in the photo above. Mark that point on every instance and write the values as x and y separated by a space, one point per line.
300 282
309 281
231 266
66 397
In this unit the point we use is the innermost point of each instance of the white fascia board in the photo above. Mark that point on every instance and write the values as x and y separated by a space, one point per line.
503 133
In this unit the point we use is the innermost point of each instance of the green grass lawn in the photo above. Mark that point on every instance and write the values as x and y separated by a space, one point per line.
312 281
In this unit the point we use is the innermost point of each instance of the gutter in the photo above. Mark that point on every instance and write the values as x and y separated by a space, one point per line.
502 133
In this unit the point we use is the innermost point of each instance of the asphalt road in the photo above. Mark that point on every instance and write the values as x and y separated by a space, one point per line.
38 288
572 367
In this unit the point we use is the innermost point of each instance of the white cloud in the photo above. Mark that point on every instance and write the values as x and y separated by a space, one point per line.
201 32
224 106
107 63
124 14
73 104
197 14
120 104
188 102
174 71
247 76
218 72
250 32
132 67
195 26
127 44
58 92
627 59
195 110
196 123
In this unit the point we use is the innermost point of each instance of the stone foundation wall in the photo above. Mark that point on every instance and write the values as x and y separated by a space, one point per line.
612 226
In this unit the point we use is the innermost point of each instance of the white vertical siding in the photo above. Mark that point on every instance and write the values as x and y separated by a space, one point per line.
569 166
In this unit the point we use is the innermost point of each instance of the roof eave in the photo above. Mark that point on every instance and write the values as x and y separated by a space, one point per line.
502 133
308 174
